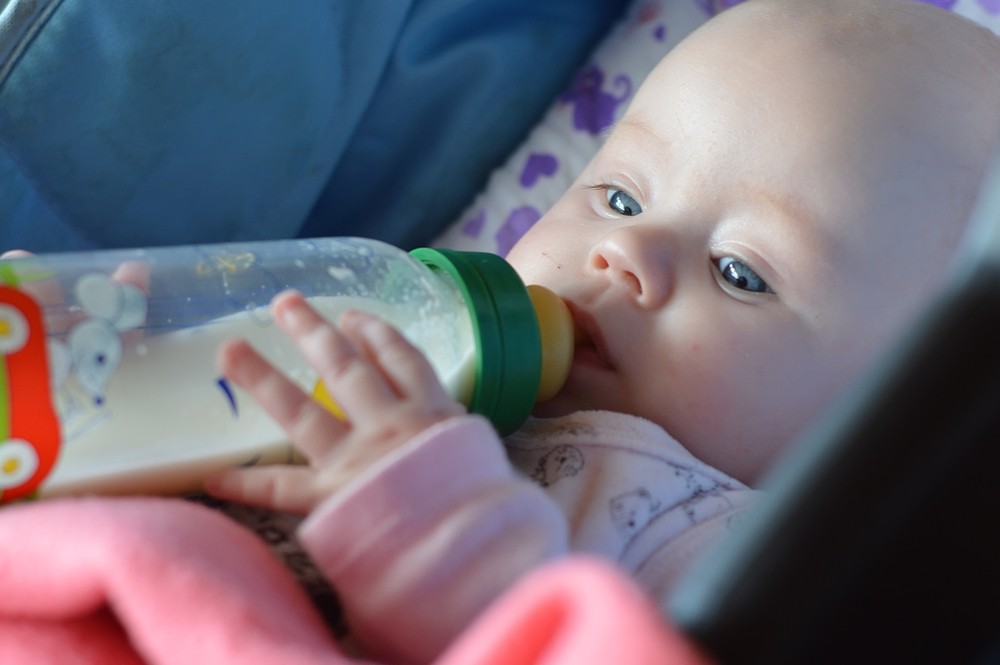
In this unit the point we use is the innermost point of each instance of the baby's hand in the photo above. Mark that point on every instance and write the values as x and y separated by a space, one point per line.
385 386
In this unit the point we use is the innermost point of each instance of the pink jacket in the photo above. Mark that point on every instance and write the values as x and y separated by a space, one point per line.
165 582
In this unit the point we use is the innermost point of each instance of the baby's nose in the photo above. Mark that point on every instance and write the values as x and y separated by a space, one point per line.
636 262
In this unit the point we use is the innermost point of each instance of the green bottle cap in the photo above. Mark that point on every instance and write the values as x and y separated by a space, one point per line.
508 342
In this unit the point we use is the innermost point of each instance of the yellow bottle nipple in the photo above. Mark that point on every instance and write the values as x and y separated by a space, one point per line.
555 326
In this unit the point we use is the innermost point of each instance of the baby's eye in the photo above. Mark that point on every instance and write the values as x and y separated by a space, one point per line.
741 275
623 203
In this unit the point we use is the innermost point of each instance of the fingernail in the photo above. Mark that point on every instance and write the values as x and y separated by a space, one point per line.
290 314
353 318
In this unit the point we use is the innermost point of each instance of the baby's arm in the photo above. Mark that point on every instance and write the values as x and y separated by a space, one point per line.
387 388
439 531
415 514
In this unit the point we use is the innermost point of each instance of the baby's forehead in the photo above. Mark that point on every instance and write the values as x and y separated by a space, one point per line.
901 63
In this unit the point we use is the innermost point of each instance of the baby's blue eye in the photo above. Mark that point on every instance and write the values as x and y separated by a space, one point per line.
623 203
742 276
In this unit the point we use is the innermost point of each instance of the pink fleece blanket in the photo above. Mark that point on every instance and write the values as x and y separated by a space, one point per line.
163 581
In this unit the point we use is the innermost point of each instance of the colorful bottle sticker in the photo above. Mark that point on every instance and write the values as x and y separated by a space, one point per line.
29 427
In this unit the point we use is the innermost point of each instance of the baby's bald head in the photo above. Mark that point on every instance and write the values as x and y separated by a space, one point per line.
940 70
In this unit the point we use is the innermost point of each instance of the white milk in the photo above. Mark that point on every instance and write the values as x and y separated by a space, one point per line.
166 421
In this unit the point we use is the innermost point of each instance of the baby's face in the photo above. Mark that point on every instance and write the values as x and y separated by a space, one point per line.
754 230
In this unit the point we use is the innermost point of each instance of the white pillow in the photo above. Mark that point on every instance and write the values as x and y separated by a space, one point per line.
555 152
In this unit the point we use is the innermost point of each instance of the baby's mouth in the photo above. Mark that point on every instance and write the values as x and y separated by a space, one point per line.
589 345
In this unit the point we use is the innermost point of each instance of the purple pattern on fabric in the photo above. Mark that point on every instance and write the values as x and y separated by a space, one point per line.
474 225
539 165
518 222
660 33
991 6
594 110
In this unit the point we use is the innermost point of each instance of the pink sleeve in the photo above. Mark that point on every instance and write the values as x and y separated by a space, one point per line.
419 546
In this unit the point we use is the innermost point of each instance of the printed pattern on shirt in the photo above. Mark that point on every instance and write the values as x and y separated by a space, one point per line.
617 476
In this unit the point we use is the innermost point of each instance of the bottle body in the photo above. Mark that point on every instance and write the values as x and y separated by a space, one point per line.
115 352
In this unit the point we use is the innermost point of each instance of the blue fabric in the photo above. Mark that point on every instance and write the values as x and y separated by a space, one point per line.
463 87
146 122
149 122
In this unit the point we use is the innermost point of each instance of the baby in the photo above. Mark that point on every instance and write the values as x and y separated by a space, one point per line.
784 193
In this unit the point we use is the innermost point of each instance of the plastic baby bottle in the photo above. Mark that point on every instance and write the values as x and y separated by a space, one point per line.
110 379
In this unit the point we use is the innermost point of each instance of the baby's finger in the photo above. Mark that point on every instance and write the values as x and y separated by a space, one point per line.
135 273
403 365
312 429
350 379
282 488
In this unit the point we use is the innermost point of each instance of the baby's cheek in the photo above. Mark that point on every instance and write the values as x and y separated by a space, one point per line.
742 375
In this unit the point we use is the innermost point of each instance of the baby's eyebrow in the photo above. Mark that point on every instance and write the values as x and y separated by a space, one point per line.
791 229
791 207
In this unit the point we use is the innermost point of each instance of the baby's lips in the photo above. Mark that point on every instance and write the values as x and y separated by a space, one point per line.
587 335
580 336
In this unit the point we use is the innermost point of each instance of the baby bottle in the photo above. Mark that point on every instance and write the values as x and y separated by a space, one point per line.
110 381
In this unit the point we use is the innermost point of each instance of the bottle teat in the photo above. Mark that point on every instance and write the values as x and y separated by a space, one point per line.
521 360
555 328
